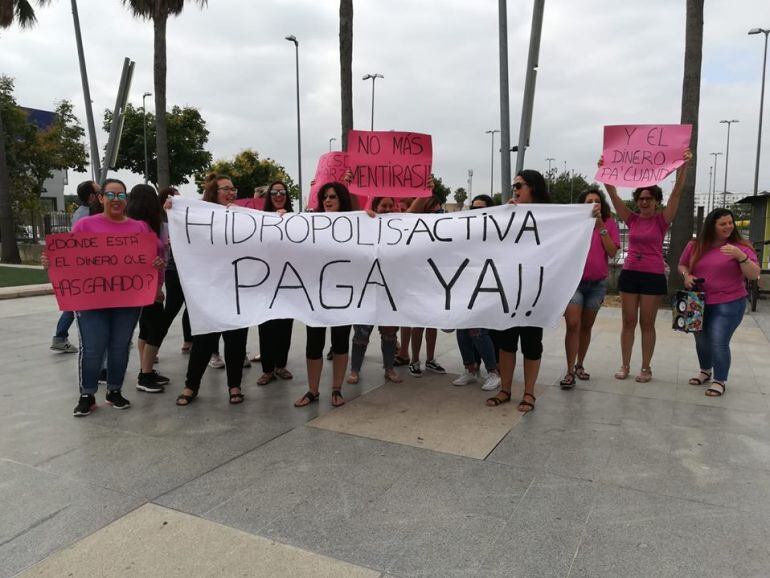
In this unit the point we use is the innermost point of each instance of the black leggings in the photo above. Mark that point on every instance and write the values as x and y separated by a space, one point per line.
203 346
274 343
531 341
152 324
174 302
316 340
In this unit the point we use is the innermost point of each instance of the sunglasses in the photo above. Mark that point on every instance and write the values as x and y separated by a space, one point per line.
518 185
112 196
228 189
277 193
330 197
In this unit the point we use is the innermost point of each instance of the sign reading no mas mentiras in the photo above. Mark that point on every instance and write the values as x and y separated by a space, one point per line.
642 155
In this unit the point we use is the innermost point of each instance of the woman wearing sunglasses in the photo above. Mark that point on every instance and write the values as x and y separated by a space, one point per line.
332 198
107 330
642 281
528 187
275 335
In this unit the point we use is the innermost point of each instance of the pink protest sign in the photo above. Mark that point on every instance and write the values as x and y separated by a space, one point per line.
102 270
394 164
643 154
331 168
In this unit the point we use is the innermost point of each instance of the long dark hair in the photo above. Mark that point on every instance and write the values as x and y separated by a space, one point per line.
144 205
655 191
606 212
708 235
210 186
269 207
96 207
536 182
486 199
346 203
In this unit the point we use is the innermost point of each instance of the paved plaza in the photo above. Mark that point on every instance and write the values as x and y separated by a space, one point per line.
613 478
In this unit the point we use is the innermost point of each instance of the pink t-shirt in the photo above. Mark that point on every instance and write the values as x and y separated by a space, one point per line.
257 204
596 267
645 243
723 279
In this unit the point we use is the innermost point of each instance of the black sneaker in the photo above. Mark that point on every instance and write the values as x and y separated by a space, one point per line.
149 382
102 379
85 406
116 400
433 366
415 370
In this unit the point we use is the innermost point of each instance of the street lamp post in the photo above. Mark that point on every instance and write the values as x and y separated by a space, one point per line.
492 165
727 158
374 78
708 195
293 39
549 160
470 184
144 131
761 105
714 187
330 143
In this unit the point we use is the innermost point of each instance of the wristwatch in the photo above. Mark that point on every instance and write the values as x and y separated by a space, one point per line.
603 232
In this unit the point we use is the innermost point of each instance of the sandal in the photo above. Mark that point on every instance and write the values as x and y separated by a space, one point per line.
568 382
284 373
235 398
266 378
256 357
497 400
698 380
645 375
353 378
581 373
716 390
184 399
399 361
622 373
392 375
337 399
524 404
309 396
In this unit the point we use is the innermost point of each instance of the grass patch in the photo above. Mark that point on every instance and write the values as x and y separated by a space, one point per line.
16 276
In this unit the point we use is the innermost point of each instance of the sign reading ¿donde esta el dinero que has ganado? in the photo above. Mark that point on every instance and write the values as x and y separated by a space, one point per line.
493 268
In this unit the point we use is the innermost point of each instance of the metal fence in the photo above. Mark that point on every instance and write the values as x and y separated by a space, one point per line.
35 227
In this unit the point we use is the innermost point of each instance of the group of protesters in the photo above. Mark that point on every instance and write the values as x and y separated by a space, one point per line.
717 261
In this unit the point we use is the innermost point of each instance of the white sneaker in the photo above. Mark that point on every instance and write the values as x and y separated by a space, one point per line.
466 378
492 382
216 361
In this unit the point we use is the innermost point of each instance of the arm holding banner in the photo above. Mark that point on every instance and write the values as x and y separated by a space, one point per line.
621 209
673 201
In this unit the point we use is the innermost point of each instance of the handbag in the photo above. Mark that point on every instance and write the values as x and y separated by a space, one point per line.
687 308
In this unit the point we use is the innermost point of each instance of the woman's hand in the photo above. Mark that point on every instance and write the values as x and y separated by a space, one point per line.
44 260
159 263
281 212
167 204
596 213
601 162
512 201
689 281
733 251
687 156
160 297
371 213
348 176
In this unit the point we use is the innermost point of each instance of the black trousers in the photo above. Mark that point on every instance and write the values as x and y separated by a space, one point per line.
174 302
274 343
205 344
316 340
531 339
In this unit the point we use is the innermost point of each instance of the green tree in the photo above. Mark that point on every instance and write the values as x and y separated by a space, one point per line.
461 196
567 186
440 189
187 138
21 12
159 12
248 171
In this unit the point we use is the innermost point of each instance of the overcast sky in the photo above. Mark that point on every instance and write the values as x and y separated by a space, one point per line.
601 62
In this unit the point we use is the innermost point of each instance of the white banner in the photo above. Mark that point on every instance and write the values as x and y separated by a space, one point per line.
492 268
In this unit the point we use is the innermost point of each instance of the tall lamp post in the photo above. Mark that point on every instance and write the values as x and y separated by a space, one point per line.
144 130
293 39
492 164
374 78
708 195
761 105
331 140
714 187
727 158
549 160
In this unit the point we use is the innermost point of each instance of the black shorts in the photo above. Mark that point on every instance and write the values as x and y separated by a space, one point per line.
642 283
531 340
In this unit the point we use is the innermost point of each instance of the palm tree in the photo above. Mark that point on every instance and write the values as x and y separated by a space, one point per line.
159 11
346 68
682 229
21 12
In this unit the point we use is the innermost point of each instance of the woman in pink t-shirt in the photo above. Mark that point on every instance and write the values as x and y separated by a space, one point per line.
589 295
724 260
643 281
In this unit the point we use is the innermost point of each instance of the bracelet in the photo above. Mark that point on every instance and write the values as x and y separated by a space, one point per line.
742 262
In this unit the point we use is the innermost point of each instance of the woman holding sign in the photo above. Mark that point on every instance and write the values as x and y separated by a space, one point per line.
216 189
642 281
332 198
107 330
724 260
529 187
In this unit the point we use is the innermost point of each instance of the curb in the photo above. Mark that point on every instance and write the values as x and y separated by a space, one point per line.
25 291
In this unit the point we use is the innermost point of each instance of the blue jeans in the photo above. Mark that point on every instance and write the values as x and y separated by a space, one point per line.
63 326
105 331
713 343
471 340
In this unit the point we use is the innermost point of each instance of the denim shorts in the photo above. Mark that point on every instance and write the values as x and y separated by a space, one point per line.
590 294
